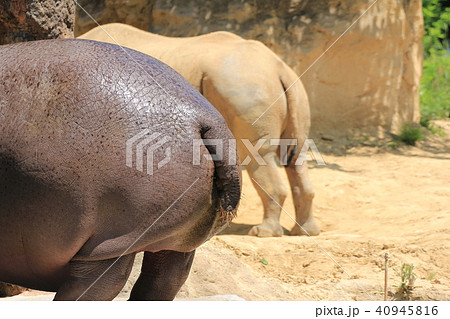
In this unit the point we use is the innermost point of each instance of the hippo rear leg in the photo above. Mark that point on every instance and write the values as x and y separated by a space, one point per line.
96 280
162 275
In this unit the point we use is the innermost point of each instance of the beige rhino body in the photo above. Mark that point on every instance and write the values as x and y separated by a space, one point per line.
241 78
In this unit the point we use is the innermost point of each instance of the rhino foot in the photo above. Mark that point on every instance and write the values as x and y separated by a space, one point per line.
266 230
309 228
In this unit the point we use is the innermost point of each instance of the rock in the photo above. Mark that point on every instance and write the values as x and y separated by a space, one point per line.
133 12
28 20
208 278
367 82
327 137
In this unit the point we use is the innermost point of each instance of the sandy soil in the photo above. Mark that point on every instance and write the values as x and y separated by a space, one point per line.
370 200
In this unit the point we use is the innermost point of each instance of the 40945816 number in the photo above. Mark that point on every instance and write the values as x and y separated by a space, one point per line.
407 310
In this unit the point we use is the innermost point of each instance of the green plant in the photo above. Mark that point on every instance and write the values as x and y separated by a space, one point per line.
434 88
434 129
393 144
438 130
435 82
410 134
436 19
407 277
425 122
431 275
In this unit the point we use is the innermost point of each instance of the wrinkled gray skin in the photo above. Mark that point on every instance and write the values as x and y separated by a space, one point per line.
69 206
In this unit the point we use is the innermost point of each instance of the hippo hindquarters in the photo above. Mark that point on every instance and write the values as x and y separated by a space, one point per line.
72 209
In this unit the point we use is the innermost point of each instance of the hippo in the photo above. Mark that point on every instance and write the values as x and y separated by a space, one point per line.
75 208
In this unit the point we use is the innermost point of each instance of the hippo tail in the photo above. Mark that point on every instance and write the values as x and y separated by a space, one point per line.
227 177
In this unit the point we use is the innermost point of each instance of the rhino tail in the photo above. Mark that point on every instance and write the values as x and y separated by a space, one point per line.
298 118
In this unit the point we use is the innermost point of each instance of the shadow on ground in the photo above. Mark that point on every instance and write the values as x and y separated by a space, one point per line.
242 229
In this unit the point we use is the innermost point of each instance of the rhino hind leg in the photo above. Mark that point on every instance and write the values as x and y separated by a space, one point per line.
303 194
96 280
273 191
162 275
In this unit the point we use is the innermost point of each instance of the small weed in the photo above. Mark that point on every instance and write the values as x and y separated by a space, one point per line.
393 144
434 129
410 134
437 130
264 261
407 277
431 275
425 121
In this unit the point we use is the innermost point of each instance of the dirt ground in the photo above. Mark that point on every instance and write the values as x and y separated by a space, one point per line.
371 199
